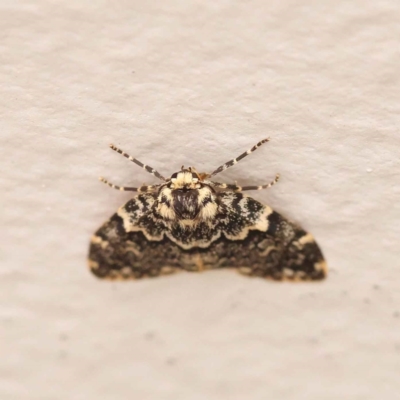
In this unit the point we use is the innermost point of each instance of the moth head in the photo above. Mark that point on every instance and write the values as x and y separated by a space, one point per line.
185 179
186 197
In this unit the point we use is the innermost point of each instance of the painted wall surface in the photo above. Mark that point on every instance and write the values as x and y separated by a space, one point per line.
196 83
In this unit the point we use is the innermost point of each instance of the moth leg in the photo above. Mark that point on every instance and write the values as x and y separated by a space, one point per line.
140 189
137 162
234 161
237 188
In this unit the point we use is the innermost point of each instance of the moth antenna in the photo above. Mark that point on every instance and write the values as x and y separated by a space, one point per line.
137 162
140 189
234 161
237 188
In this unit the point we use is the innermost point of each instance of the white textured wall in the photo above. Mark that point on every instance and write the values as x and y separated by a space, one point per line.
197 82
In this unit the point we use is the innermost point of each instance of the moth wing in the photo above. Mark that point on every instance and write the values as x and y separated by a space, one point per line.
117 252
121 250
264 243
254 239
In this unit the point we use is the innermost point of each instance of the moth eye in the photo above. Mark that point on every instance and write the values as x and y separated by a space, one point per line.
174 176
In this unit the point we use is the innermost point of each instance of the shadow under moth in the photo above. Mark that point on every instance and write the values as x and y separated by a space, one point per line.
190 222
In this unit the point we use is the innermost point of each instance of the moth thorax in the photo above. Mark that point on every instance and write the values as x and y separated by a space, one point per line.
187 204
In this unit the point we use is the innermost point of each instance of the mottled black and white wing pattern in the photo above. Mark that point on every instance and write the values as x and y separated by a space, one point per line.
189 223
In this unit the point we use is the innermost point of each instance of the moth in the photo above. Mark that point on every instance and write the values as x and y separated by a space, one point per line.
190 222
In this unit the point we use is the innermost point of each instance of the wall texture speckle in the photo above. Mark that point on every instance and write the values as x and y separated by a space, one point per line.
196 83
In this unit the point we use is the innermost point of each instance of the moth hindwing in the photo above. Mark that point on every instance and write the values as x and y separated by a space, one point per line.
190 222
